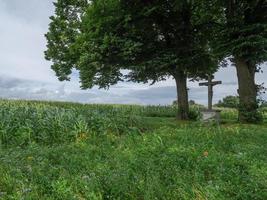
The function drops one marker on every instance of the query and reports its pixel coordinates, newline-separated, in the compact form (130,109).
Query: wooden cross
(210,85)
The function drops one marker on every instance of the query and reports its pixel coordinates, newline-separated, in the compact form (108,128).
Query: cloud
(15,88)
(22,39)
(34,12)
(9,83)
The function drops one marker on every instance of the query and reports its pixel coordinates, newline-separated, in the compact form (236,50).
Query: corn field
(57,150)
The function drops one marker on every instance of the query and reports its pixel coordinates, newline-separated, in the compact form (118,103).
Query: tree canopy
(241,35)
(63,31)
(242,30)
(152,40)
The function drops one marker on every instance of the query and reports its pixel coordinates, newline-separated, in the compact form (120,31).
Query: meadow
(65,151)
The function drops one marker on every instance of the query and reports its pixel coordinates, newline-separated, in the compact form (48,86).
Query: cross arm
(210,83)
(204,84)
(216,82)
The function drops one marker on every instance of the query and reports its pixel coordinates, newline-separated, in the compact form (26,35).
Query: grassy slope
(169,160)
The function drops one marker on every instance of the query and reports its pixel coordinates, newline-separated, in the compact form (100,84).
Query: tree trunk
(247,91)
(182,95)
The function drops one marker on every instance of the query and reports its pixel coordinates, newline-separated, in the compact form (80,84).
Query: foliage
(23,123)
(108,36)
(242,30)
(167,160)
(252,115)
(58,122)
(229,114)
(241,35)
(194,113)
(62,35)
(228,102)
(264,104)
(141,41)
(191,103)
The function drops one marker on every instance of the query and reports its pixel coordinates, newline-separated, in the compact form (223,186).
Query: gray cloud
(9,83)
(15,88)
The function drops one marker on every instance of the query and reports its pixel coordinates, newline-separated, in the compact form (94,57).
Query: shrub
(228,102)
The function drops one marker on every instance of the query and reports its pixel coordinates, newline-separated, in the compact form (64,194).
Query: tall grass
(25,122)
(53,150)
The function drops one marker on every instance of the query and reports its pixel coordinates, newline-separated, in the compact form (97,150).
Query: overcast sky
(25,74)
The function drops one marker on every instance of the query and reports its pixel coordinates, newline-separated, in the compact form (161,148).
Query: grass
(71,151)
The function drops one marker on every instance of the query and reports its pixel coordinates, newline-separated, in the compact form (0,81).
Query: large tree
(154,40)
(242,36)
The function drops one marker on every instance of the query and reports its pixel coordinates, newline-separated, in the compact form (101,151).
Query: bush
(194,113)
(252,114)
(228,102)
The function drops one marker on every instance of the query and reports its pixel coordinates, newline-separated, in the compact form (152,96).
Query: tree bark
(182,95)
(246,89)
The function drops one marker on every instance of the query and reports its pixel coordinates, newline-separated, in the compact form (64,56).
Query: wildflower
(81,137)
(29,158)
(206,153)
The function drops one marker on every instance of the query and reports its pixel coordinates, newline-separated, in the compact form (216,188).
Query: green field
(52,150)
